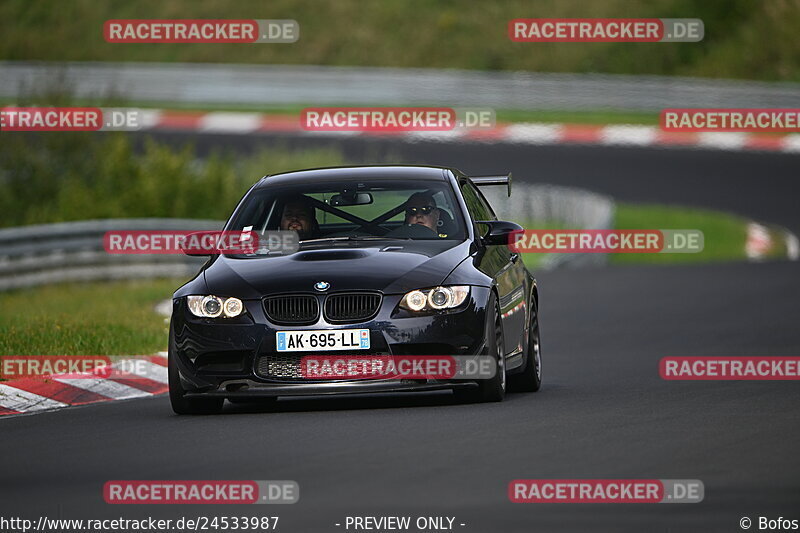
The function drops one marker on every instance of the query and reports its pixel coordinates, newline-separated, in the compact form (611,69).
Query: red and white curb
(148,377)
(529,133)
(760,242)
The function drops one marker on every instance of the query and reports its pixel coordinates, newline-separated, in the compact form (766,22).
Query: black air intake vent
(292,309)
(351,307)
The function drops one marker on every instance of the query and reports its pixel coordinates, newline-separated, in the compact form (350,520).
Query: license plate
(322,340)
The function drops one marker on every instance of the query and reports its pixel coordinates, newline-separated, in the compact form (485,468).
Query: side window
(477,205)
(486,205)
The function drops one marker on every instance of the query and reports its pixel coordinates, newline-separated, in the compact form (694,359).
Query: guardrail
(232,84)
(73,251)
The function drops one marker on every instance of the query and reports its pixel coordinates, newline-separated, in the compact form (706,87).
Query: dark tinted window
(476,203)
(334,210)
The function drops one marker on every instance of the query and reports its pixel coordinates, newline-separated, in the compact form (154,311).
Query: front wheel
(494,389)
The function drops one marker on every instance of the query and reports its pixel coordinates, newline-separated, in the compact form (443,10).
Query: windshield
(356,210)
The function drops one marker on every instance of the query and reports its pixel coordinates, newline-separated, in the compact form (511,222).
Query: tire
(494,389)
(180,403)
(530,379)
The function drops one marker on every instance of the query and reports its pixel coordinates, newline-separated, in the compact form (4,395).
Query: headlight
(214,306)
(435,298)
(415,300)
(232,307)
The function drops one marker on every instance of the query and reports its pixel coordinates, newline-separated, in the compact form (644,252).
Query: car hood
(392,267)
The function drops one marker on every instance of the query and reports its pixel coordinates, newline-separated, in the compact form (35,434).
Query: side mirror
(499,232)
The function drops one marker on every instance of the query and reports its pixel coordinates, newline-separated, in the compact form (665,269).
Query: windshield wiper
(325,239)
(354,238)
(375,238)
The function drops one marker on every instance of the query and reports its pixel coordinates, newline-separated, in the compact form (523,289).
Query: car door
(505,267)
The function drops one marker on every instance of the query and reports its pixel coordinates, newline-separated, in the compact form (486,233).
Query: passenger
(300,216)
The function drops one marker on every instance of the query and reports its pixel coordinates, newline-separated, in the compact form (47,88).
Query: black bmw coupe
(397,261)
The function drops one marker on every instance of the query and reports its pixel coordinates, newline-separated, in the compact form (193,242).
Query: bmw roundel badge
(322,285)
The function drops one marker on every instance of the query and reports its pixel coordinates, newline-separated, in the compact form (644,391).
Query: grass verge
(725,234)
(103,318)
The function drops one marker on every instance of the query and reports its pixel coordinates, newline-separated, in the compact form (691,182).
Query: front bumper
(219,357)
(255,389)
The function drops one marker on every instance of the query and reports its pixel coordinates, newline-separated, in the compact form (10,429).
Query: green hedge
(743,39)
(55,177)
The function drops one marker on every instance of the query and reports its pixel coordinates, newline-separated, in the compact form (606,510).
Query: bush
(55,177)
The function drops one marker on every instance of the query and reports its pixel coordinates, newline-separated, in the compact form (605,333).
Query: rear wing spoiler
(482,181)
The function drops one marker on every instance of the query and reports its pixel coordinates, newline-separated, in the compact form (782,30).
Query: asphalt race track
(603,411)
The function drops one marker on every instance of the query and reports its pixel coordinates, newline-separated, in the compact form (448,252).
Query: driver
(421,209)
(299,215)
